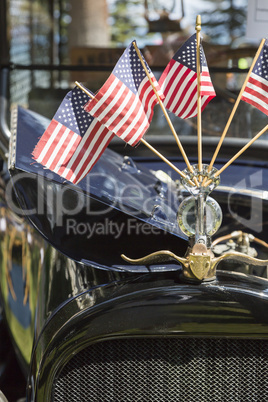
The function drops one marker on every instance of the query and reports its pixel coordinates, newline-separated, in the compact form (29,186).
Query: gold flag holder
(198,72)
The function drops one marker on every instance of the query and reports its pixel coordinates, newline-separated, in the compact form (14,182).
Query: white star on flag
(179,81)
(125,102)
(74,141)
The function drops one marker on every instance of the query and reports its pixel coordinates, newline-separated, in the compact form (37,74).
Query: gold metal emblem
(199,262)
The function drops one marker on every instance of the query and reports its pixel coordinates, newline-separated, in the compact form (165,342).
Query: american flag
(73,141)
(125,102)
(179,81)
(256,90)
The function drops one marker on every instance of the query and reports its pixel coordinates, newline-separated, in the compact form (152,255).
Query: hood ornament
(199,263)
(199,217)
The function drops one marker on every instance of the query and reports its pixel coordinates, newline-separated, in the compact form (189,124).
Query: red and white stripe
(256,92)
(67,153)
(121,111)
(179,86)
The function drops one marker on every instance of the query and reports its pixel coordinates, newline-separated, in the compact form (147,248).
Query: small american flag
(73,141)
(256,90)
(125,102)
(179,81)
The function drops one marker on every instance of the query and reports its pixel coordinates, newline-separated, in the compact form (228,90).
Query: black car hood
(121,206)
(116,191)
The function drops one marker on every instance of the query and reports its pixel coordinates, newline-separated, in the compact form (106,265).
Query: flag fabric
(73,141)
(179,81)
(256,90)
(125,102)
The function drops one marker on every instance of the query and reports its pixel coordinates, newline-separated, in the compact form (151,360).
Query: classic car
(110,291)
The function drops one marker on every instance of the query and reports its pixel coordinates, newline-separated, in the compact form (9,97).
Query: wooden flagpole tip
(198,23)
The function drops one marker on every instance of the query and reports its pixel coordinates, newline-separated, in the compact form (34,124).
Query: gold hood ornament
(199,263)
(199,217)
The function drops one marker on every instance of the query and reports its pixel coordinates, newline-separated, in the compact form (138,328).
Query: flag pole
(84,89)
(238,153)
(143,141)
(190,168)
(235,106)
(198,72)
(182,174)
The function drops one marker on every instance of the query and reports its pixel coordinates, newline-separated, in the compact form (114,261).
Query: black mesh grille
(167,369)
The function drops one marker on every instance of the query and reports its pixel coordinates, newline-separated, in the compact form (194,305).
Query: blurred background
(52,43)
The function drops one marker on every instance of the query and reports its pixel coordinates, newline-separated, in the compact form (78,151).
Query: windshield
(52,44)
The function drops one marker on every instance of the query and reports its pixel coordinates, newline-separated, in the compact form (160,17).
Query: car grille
(167,369)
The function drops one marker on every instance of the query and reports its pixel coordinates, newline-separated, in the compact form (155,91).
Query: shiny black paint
(148,305)
(105,249)
(102,248)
